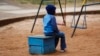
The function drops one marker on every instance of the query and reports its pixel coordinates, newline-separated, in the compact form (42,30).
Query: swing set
(39,11)
(73,23)
(84,5)
(84,24)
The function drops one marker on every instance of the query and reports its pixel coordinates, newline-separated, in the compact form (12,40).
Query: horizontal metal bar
(91,4)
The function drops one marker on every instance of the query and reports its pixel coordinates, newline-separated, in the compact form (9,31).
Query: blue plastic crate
(41,44)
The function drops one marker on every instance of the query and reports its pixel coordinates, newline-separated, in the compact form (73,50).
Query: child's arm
(54,24)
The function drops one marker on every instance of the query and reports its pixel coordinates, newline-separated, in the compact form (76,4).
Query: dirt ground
(86,42)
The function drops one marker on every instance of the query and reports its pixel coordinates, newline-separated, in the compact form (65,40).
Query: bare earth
(86,42)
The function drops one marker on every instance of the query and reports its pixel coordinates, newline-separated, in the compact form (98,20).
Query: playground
(82,40)
(13,38)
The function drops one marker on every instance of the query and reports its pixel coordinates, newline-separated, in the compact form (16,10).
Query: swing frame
(39,11)
(81,14)
(84,25)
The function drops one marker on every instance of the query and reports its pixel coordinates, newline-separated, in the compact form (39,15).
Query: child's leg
(56,41)
(63,42)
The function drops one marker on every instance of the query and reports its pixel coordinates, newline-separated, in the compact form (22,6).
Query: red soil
(86,42)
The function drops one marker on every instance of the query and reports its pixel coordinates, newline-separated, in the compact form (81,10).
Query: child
(50,27)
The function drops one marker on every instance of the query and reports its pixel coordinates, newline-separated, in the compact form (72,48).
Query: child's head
(50,9)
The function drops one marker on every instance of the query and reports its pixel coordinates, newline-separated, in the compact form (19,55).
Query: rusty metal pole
(36,16)
(62,12)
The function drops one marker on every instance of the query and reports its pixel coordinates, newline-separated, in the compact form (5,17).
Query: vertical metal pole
(65,8)
(36,16)
(74,12)
(85,24)
(77,22)
(73,20)
(65,5)
(62,12)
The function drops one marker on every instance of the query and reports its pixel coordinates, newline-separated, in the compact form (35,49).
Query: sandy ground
(86,42)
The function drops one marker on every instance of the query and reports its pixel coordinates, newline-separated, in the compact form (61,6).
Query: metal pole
(73,20)
(61,11)
(77,22)
(92,4)
(85,24)
(65,8)
(36,16)
(65,5)
(74,11)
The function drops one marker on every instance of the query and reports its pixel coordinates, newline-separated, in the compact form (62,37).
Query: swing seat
(40,44)
(80,27)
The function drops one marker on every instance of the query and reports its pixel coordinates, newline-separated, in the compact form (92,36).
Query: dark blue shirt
(49,23)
